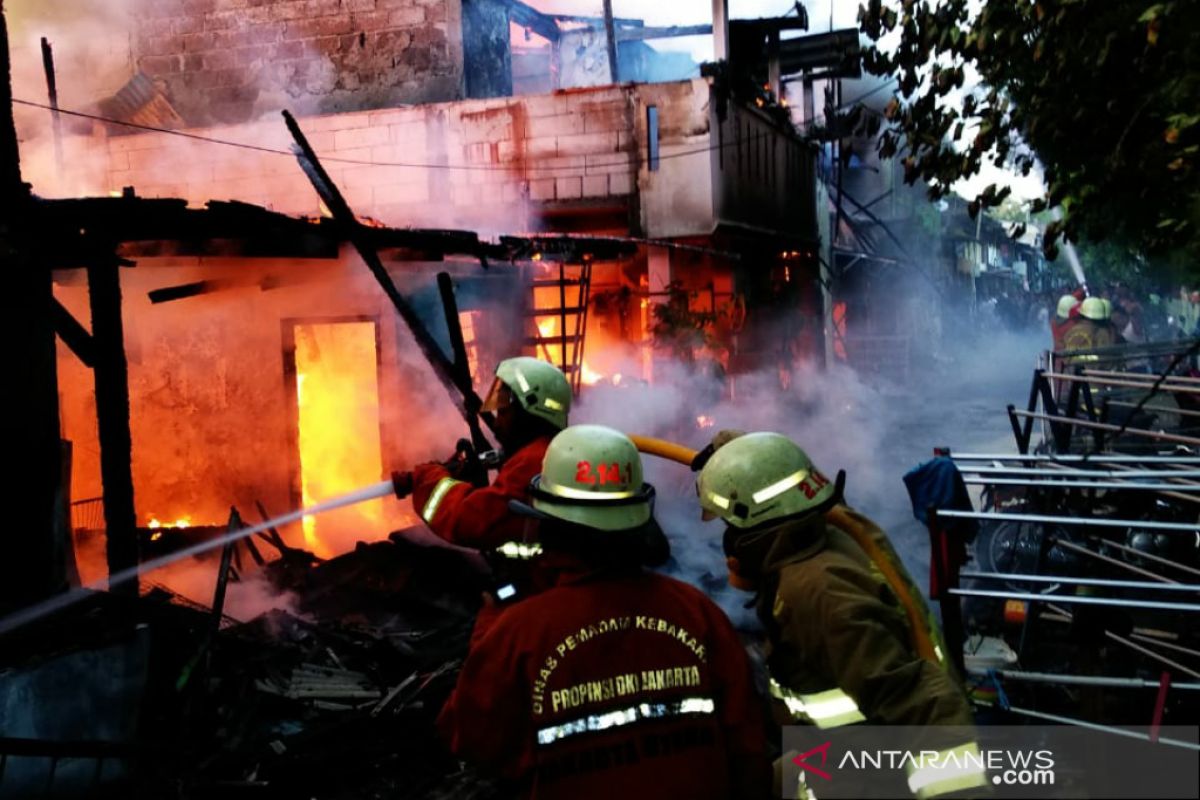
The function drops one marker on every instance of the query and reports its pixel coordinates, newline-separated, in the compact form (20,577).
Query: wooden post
(610,39)
(112,418)
(720,29)
(52,94)
(29,427)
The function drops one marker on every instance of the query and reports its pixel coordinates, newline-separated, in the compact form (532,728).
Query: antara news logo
(1008,767)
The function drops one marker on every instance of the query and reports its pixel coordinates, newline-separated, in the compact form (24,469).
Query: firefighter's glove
(402,484)
(465,465)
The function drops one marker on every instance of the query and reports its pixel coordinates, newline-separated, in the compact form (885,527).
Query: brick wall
(226,61)
(471,163)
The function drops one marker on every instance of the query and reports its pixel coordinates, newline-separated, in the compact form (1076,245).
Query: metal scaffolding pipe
(1101,426)
(1166,387)
(1145,377)
(1001,516)
(1084,484)
(1104,728)
(1097,458)
(1171,587)
(1116,562)
(1089,680)
(1183,412)
(1067,472)
(1151,557)
(1135,646)
(1112,602)
(1169,645)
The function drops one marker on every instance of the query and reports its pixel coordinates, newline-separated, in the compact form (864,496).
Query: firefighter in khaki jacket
(841,647)
(617,682)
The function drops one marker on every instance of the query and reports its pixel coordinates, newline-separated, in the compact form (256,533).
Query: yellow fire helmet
(760,477)
(1093,309)
(1065,304)
(539,387)
(592,476)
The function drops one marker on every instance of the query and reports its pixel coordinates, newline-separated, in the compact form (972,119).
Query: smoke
(875,429)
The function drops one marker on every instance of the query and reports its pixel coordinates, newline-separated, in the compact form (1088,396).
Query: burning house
(426,116)
(231,334)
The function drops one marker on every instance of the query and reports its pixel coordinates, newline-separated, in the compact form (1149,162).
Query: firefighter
(618,681)
(842,649)
(1067,314)
(530,400)
(1092,329)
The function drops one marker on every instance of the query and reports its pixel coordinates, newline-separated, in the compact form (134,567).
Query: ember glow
(703,422)
(337,391)
(183,522)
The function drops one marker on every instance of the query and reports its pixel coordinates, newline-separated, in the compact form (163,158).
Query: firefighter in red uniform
(530,400)
(616,682)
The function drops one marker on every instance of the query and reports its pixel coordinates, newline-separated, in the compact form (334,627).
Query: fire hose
(839,516)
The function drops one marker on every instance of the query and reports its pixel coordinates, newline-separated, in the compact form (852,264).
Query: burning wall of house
(223,414)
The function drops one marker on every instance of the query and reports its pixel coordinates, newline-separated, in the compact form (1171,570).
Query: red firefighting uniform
(617,686)
(475,517)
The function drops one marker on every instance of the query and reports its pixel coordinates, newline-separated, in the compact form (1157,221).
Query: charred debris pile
(333,698)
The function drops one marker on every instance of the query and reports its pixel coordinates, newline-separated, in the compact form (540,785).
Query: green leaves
(1102,92)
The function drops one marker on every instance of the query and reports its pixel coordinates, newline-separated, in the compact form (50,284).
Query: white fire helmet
(760,477)
(538,386)
(592,476)
(1093,309)
(1065,304)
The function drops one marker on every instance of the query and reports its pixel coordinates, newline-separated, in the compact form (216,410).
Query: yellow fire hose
(838,516)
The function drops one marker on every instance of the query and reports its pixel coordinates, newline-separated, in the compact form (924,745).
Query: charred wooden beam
(29,570)
(52,94)
(74,335)
(112,417)
(641,34)
(529,17)
(463,395)
(179,292)
(610,42)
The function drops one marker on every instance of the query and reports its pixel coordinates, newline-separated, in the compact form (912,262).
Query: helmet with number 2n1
(592,476)
(760,477)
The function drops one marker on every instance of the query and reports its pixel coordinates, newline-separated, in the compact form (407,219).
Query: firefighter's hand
(402,484)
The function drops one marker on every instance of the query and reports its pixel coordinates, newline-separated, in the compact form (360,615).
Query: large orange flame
(338,394)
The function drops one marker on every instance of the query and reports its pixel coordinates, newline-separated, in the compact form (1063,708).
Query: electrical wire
(737,142)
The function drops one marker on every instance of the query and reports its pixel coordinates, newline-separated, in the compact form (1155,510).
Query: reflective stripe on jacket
(476,517)
(612,685)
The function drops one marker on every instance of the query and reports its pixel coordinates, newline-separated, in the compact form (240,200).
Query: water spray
(1073,257)
(67,599)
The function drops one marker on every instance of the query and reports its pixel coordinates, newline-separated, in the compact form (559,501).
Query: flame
(703,422)
(550,352)
(589,376)
(338,397)
(182,522)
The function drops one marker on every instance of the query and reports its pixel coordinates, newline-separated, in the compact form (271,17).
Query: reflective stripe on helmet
(520,550)
(524,384)
(625,716)
(435,499)
(829,709)
(950,770)
(779,487)
(552,404)
(719,501)
(580,494)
